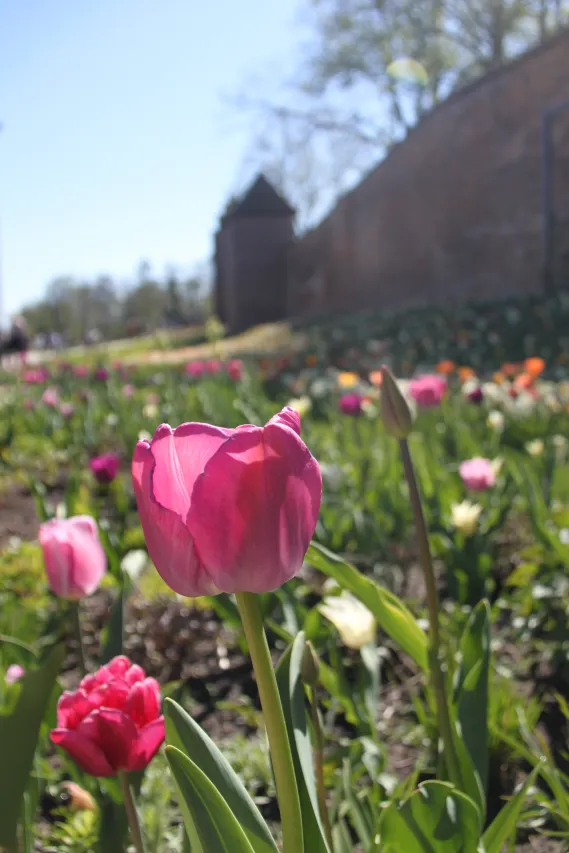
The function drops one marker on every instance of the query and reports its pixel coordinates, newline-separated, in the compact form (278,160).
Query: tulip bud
(310,666)
(395,411)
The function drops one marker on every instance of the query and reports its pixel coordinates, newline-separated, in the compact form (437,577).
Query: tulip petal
(143,703)
(180,456)
(255,507)
(287,417)
(115,734)
(84,752)
(169,543)
(147,744)
(85,523)
(88,562)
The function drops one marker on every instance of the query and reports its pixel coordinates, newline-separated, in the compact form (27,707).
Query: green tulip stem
(131,812)
(79,636)
(319,766)
(435,656)
(281,755)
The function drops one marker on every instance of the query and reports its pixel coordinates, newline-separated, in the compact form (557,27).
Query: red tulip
(106,467)
(427,390)
(229,510)
(74,558)
(235,369)
(112,722)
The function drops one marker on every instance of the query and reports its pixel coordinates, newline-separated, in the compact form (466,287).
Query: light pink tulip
(50,397)
(14,673)
(477,474)
(74,558)
(67,410)
(229,510)
(427,390)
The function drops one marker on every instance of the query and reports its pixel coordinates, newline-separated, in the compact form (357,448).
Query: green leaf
(472,689)
(390,613)
(207,816)
(504,826)
(18,738)
(293,699)
(112,644)
(435,819)
(184,733)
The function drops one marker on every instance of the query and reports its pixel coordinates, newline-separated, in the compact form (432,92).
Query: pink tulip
(427,390)
(35,377)
(195,369)
(350,404)
(112,722)
(235,369)
(213,366)
(101,374)
(128,391)
(229,510)
(50,397)
(67,409)
(105,467)
(81,371)
(477,474)
(74,558)
(14,673)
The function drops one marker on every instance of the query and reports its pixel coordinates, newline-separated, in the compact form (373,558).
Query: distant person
(17,341)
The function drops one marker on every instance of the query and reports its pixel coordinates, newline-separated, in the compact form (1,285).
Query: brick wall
(455,211)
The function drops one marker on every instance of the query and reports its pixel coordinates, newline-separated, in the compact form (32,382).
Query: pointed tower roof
(261,199)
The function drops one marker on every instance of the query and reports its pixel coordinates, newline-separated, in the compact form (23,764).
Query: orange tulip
(534,366)
(466,373)
(510,369)
(445,367)
(499,378)
(347,379)
(524,381)
(311,361)
(376,378)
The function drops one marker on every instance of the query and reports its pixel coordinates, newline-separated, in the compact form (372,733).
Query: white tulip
(354,622)
(465,517)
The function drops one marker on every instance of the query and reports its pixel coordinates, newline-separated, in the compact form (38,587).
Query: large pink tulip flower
(227,510)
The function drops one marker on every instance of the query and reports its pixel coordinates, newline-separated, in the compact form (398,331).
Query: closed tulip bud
(227,510)
(310,666)
(74,558)
(395,411)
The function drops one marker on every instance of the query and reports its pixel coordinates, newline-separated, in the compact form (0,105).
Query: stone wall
(455,211)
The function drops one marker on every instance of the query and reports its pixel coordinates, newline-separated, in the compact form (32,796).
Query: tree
(371,70)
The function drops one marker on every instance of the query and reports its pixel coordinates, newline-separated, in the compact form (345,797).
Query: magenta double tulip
(227,510)
(75,561)
(112,722)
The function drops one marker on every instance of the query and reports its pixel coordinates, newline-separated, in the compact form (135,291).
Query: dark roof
(261,199)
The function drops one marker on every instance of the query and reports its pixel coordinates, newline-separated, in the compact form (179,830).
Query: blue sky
(118,144)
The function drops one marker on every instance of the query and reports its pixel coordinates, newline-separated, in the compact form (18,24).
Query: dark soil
(17,516)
